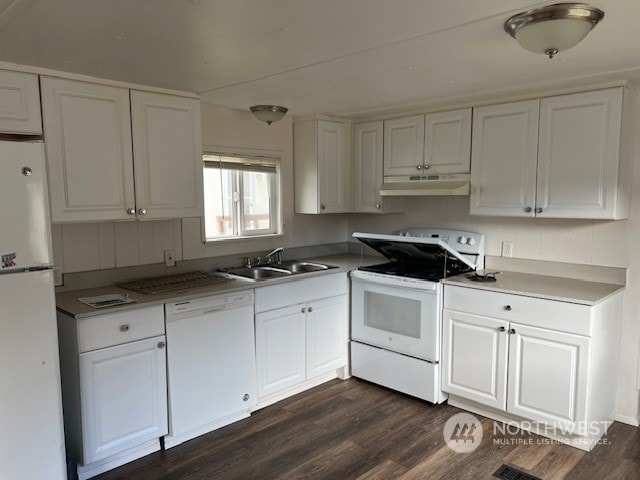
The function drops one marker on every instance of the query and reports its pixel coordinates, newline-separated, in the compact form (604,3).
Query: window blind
(244,163)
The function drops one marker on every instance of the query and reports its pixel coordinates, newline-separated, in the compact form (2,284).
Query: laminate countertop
(541,286)
(68,303)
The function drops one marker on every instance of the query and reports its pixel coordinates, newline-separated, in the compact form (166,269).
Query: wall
(99,246)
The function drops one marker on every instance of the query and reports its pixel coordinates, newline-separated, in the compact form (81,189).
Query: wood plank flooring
(356,430)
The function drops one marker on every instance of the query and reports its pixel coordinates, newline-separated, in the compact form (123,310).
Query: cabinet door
(326,332)
(167,151)
(368,166)
(19,103)
(404,146)
(579,152)
(503,159)
(280,352)
(331,164)
(447,142)
(548,376)
(88,143)
(123,396)
(474,362)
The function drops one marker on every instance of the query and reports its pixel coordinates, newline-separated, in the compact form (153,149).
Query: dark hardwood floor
(356,430)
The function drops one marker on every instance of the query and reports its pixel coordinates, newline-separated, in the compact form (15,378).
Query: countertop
(541,286)
(67,302)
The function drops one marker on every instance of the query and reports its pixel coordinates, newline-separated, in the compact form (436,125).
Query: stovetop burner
(487,277)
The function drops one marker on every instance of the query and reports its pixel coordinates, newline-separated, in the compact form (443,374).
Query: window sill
(211,241)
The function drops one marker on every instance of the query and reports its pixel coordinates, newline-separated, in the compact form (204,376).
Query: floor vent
(511,473)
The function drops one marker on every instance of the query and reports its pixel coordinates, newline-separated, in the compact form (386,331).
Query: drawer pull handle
(124,328)
(512,331)
(161,344)
(502,329)
(507,308)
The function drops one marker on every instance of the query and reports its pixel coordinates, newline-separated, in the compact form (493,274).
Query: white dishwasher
(211,365)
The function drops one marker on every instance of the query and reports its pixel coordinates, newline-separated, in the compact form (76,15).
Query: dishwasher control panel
(217,302)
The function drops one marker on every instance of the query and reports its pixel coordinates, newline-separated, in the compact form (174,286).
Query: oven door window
(392,314)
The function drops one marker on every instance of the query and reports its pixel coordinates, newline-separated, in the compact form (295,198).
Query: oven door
(398,314)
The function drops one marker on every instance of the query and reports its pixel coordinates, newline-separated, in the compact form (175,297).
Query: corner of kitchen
(198,282)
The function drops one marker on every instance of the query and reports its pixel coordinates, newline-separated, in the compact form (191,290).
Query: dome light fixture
(553,28)
(269,113)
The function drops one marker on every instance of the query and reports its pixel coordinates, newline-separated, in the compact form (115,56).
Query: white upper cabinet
(320,151)
(368,165)
(88,145)
(447,142)
(404,145)
(19,103)
(578,155)
(167,149)
(505,150)
(91,153)
(559,157)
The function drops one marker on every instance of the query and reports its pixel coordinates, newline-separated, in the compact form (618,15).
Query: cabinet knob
(26,171)
(538,209)
(245,397)
(303,310)
(377,206)
(310,309)
(131,211)
(142,211)
(124,328)
(419,167)
(322,207)
(512,331)
(502,329)
(426,166)
(507,308)
(161,344)
(528,209)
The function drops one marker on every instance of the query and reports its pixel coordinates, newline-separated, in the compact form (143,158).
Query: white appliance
(32,440)
(396,307)
(211,364)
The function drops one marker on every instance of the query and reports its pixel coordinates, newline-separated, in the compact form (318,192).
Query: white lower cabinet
(124,397)
(301,342)
(114,387)
(548,365)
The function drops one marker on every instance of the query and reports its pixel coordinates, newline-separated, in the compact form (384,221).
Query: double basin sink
(278,270)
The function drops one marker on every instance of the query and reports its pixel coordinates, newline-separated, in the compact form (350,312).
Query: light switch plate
(507,249)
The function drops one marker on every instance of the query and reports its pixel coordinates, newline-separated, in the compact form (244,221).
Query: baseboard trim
(93,469)
(633,421)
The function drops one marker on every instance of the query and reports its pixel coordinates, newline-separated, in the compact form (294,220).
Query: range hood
(423,185)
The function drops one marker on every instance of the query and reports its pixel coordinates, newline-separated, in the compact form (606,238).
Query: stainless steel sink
(283,269)
(258,273)
(304,267)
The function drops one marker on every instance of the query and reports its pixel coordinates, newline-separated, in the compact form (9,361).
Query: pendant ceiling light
(268,113)
(553,28)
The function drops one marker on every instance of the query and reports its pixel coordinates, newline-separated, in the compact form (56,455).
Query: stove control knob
(471,241)
(462,240)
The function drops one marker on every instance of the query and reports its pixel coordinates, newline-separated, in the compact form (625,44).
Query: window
(240,196)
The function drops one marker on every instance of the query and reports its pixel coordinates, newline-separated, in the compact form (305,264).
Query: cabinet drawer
(300,291)
(117,328)
(536,312)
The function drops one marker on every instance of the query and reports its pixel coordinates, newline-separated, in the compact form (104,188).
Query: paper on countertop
(103,301)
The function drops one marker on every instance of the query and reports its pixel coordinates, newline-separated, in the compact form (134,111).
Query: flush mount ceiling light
(553,28)
(268,113)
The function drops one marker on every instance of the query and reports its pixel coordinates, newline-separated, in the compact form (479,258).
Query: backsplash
(590,242)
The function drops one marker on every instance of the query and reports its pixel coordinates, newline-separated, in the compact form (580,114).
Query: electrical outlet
(507,249)
(169,259)
(58,279)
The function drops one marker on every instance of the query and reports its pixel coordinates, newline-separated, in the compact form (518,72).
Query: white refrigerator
(31,427)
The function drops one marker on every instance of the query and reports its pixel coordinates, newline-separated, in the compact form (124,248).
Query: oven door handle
(399,282)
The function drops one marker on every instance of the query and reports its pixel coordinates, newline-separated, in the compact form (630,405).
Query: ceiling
(339,57)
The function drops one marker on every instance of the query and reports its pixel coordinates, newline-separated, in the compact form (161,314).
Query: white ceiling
(340,57)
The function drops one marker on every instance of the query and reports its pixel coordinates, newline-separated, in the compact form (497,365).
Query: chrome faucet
(277,252)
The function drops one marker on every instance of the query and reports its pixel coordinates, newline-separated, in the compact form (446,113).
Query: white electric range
(396,307)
